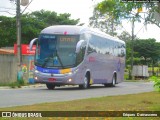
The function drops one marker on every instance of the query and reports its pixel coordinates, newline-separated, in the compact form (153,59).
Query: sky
(82,9)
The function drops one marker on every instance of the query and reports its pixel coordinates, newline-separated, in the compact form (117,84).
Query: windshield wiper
(59,58)
(48,58)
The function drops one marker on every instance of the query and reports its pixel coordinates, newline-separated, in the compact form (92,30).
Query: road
(34,95)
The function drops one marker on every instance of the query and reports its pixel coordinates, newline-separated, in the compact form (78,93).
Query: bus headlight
(36,78)
(36,71)
(70,80)
(70,73)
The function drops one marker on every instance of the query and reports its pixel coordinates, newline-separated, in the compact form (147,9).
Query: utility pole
(18,25)
(132,50)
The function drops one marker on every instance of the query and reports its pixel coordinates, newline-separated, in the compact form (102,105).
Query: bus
(77,55)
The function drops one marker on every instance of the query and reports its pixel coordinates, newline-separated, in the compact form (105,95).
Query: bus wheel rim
(113,81)
(85,82)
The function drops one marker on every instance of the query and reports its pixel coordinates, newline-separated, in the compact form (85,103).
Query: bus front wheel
(50,86)
(85,85)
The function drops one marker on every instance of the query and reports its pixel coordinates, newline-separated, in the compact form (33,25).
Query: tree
(104,22)
(125,36)
(109,14)
(52,18)
(149,50)
(146,52)
(119,10)
(32,24)
(8,31)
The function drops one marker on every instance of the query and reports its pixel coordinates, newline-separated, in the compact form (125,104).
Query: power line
(26,7)
(14,9)
(8,12)
(7,8)
(141,28)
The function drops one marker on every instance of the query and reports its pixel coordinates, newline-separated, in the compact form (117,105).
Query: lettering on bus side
(92,59)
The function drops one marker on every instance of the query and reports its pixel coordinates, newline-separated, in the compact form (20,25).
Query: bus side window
(116,49)
(123,50)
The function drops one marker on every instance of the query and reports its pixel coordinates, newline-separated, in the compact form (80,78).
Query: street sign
(25,49)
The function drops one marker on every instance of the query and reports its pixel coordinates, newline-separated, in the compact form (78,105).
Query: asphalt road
(40,94)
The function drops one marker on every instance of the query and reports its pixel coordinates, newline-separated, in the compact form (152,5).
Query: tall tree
(119,10)
(52,18)
(148,49)
(7,31)
(104,22)
(32,24)
(148,52)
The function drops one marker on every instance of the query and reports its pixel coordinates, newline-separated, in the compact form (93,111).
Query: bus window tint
(66,47)
(47,45)
(57,50)
(101,45)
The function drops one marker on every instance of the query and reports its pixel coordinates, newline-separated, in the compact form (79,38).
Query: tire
(113,84)
(85,85)
(50,86)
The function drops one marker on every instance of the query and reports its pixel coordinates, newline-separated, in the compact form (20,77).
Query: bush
(17,84)
(14,85)
(156,81)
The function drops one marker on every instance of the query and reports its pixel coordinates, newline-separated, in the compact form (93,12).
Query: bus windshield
(56,51)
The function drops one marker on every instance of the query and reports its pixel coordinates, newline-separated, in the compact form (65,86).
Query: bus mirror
(79,45)
(32,42)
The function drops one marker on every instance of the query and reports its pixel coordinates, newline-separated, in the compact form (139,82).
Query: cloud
(7,8)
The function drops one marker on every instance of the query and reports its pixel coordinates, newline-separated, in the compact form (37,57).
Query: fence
(8,67)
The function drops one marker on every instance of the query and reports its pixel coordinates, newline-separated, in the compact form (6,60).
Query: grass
(155,68)
(149,101)
(16,84)
(132,102)
(145,80)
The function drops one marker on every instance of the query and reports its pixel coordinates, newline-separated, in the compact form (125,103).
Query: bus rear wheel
(113,84)
(50,86)
(85,85)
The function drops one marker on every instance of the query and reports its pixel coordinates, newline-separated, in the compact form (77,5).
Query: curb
(29,86)
(34,86)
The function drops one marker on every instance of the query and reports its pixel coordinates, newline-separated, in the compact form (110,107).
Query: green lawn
(149,101)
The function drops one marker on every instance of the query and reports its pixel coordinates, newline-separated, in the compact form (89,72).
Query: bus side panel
(80,73)
(101,68)
(120,70)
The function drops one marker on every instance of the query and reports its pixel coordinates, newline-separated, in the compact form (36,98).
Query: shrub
(156,81)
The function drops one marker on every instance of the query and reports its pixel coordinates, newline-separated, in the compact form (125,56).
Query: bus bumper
(56,79)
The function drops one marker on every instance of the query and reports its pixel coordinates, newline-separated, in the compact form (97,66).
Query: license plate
(51,79)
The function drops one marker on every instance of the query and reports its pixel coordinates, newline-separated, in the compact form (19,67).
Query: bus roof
(63,29)
(76,30)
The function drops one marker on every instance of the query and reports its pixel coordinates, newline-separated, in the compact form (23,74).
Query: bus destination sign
(67,39)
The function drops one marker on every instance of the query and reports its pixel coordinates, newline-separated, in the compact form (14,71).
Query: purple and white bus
(75,55)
